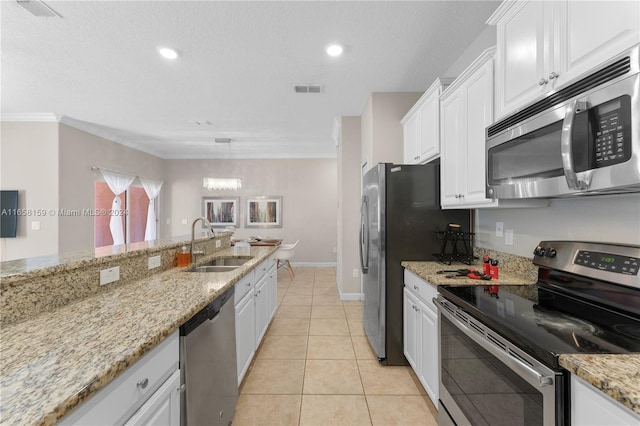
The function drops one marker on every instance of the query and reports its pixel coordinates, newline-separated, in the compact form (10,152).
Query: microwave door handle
(566,147)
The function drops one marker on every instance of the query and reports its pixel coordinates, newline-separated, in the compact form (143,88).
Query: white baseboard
(351,296)
(315,264)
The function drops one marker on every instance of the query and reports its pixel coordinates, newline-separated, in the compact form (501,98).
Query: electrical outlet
(499,228)
(356,273)
(35,225)
(168,221)
(154,262)
(508,237)
(109,275)
(335,250)
(184,220)
(218,243)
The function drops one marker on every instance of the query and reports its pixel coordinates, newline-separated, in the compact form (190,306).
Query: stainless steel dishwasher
(208,369)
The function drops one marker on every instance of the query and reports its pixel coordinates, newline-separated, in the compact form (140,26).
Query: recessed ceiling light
(167,52)
(334,50)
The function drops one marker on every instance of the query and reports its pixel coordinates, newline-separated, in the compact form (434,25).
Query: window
(134,222)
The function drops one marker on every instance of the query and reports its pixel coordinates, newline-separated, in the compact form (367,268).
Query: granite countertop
(428,271)
(53,362)
(616,375)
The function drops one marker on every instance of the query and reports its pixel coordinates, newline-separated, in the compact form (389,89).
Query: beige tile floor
(315,366)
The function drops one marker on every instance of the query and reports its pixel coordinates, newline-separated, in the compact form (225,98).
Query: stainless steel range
(499,346)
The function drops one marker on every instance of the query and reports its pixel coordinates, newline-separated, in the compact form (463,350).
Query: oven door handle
(506,356)
(566,146)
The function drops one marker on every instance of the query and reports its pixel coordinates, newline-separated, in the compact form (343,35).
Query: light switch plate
(184,221)
(508,237)
(109,275)
(154,262)
(218,243)
(35,225)
(499,228)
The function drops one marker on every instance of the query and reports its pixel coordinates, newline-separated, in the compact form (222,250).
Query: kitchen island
(56,360)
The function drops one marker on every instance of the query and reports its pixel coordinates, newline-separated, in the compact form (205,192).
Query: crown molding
(42,117)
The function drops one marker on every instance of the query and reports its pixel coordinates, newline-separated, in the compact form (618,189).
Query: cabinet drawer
(243,287)
(419,287)
(261,269)
(115,403)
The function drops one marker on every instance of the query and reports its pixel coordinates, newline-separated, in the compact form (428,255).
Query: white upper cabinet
(421,126)
(467,109)
(542,45)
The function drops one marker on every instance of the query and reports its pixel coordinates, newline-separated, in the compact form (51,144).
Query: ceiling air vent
(39,8)
(307,88)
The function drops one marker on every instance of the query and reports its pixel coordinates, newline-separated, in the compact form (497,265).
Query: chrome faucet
(195,252)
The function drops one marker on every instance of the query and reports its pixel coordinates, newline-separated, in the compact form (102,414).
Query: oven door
(486,380)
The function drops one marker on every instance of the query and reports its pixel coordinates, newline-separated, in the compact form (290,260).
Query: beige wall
(79,151)
(349,207)
(29,160)
(308,188)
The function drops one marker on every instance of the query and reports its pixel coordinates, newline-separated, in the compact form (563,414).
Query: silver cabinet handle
(143,383)
(542,82)
(416,287)
(553,75)
(248,284)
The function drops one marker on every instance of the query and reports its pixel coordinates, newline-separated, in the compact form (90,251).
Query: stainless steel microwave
(582,139)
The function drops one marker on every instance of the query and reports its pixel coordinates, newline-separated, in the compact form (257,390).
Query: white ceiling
(98,67)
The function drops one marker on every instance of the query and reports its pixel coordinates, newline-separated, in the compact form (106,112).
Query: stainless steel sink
(227,261)
(222,264)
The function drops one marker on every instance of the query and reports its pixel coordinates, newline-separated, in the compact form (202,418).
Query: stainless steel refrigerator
(400,215)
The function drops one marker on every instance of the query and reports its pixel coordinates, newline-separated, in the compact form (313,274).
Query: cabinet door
(524,42)
(590,406)
(410,329)
(429,369)
(245,333)
(163,408)
(477,115)
(262,310)
(411,132)
(451,153)
(595,31)
(272,289)
(429,132)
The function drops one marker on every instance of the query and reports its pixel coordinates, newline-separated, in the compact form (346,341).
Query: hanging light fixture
(224,184)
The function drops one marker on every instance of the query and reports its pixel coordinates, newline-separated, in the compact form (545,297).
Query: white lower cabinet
(256,296)
(590,406)
(163,408)
(245,333)
(421,332)
(262,310)
(146,393)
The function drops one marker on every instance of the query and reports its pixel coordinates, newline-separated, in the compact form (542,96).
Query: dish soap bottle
(183,257)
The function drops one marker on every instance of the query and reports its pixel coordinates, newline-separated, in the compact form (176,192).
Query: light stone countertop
(616,375)
(428,272)
(56,360)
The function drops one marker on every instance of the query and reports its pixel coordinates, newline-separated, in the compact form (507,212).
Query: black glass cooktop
(557,324)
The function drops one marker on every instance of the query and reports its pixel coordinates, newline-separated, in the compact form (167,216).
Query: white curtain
(152,188)
(118,183)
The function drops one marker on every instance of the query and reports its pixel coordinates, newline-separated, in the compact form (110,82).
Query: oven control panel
(615,263)
(607,262)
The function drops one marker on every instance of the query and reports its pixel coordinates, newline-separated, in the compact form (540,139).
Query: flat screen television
(8,213)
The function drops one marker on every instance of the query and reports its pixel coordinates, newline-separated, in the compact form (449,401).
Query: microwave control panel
(612,131)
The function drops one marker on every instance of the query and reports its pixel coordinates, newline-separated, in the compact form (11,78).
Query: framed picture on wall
(221,211)
(264,212)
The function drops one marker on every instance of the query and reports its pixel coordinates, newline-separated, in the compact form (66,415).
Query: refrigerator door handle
(364,235)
